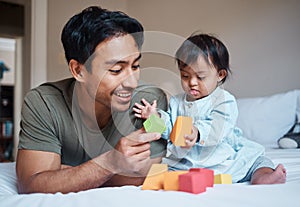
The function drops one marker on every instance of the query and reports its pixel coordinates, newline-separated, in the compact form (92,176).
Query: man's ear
(76,70)
(222,74)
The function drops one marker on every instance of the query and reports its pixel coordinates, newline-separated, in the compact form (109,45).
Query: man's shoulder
(147,88)
(52,92)
(61,86)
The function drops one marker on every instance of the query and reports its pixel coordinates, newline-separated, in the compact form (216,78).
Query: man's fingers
(140,137)
(143,155)
(137,149)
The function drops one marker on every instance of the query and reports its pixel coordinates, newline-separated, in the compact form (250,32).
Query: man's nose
(131,80)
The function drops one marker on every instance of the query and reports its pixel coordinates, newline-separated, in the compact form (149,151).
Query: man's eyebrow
(114,62)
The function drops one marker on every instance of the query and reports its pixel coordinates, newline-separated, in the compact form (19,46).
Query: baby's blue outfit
(222,146)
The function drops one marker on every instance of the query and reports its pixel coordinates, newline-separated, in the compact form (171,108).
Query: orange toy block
(183,125)
(155,177)
(223,179)
(193,182)
(209,175)
(171,180)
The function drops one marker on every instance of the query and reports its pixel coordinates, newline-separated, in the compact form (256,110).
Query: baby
(215,142)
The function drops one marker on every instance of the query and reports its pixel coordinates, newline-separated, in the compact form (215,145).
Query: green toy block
(154,124)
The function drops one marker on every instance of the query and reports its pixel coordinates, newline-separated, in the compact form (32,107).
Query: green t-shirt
(49,123)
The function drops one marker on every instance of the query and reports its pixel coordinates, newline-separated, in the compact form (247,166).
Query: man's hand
(131,156)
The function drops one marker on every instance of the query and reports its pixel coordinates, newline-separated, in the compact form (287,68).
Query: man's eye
(115,71)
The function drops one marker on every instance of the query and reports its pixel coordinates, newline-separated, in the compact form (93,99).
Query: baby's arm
(144,111)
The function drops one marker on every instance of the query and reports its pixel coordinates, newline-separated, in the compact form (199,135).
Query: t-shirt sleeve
(37,129)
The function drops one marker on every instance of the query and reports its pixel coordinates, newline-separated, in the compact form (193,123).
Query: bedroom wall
(59,12)
(262,36)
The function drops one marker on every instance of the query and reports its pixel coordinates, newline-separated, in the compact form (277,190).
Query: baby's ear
(222,74)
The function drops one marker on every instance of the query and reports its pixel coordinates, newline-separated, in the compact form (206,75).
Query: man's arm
(40,171)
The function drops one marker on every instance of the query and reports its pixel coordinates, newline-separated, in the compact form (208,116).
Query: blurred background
(262,36)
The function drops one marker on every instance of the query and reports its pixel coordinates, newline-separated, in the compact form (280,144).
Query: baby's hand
(190,139)
(145,111)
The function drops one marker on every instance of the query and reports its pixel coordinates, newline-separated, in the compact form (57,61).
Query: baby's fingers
(154,105)
(139,106)
(146,103)
(138,112)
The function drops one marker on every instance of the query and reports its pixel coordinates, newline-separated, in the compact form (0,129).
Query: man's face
(115,72)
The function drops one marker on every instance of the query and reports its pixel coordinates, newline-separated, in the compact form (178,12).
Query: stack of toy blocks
(196,180)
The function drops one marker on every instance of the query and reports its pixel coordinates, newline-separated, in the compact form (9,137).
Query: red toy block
(192,182)
(209,175)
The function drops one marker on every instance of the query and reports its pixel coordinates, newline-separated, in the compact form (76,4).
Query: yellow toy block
(171,181)
(155,177)
(183,125)
(223,179)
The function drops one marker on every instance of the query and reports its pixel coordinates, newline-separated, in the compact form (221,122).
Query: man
(80,133)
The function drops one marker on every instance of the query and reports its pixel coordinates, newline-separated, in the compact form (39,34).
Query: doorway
(12,31)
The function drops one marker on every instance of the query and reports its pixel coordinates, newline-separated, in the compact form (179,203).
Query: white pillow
(266,119)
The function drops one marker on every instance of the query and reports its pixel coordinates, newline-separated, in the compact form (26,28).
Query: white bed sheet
(235,195)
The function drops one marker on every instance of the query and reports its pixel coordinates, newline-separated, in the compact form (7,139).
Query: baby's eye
(201,78)
(184,76)
(136,67)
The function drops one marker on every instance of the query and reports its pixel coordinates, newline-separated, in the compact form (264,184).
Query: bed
(263,119)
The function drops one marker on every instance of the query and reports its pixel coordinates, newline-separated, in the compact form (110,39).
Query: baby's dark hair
(87,29)
(209,47)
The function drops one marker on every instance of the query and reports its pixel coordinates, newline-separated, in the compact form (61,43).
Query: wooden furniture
(6,123)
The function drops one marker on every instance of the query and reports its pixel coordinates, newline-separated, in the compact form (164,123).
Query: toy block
(183,125)
(223,179)
(209,175)
(171,180)
(192,182)
(154,124)
(155,177)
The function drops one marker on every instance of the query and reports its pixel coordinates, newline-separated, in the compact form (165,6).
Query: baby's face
(199,79)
